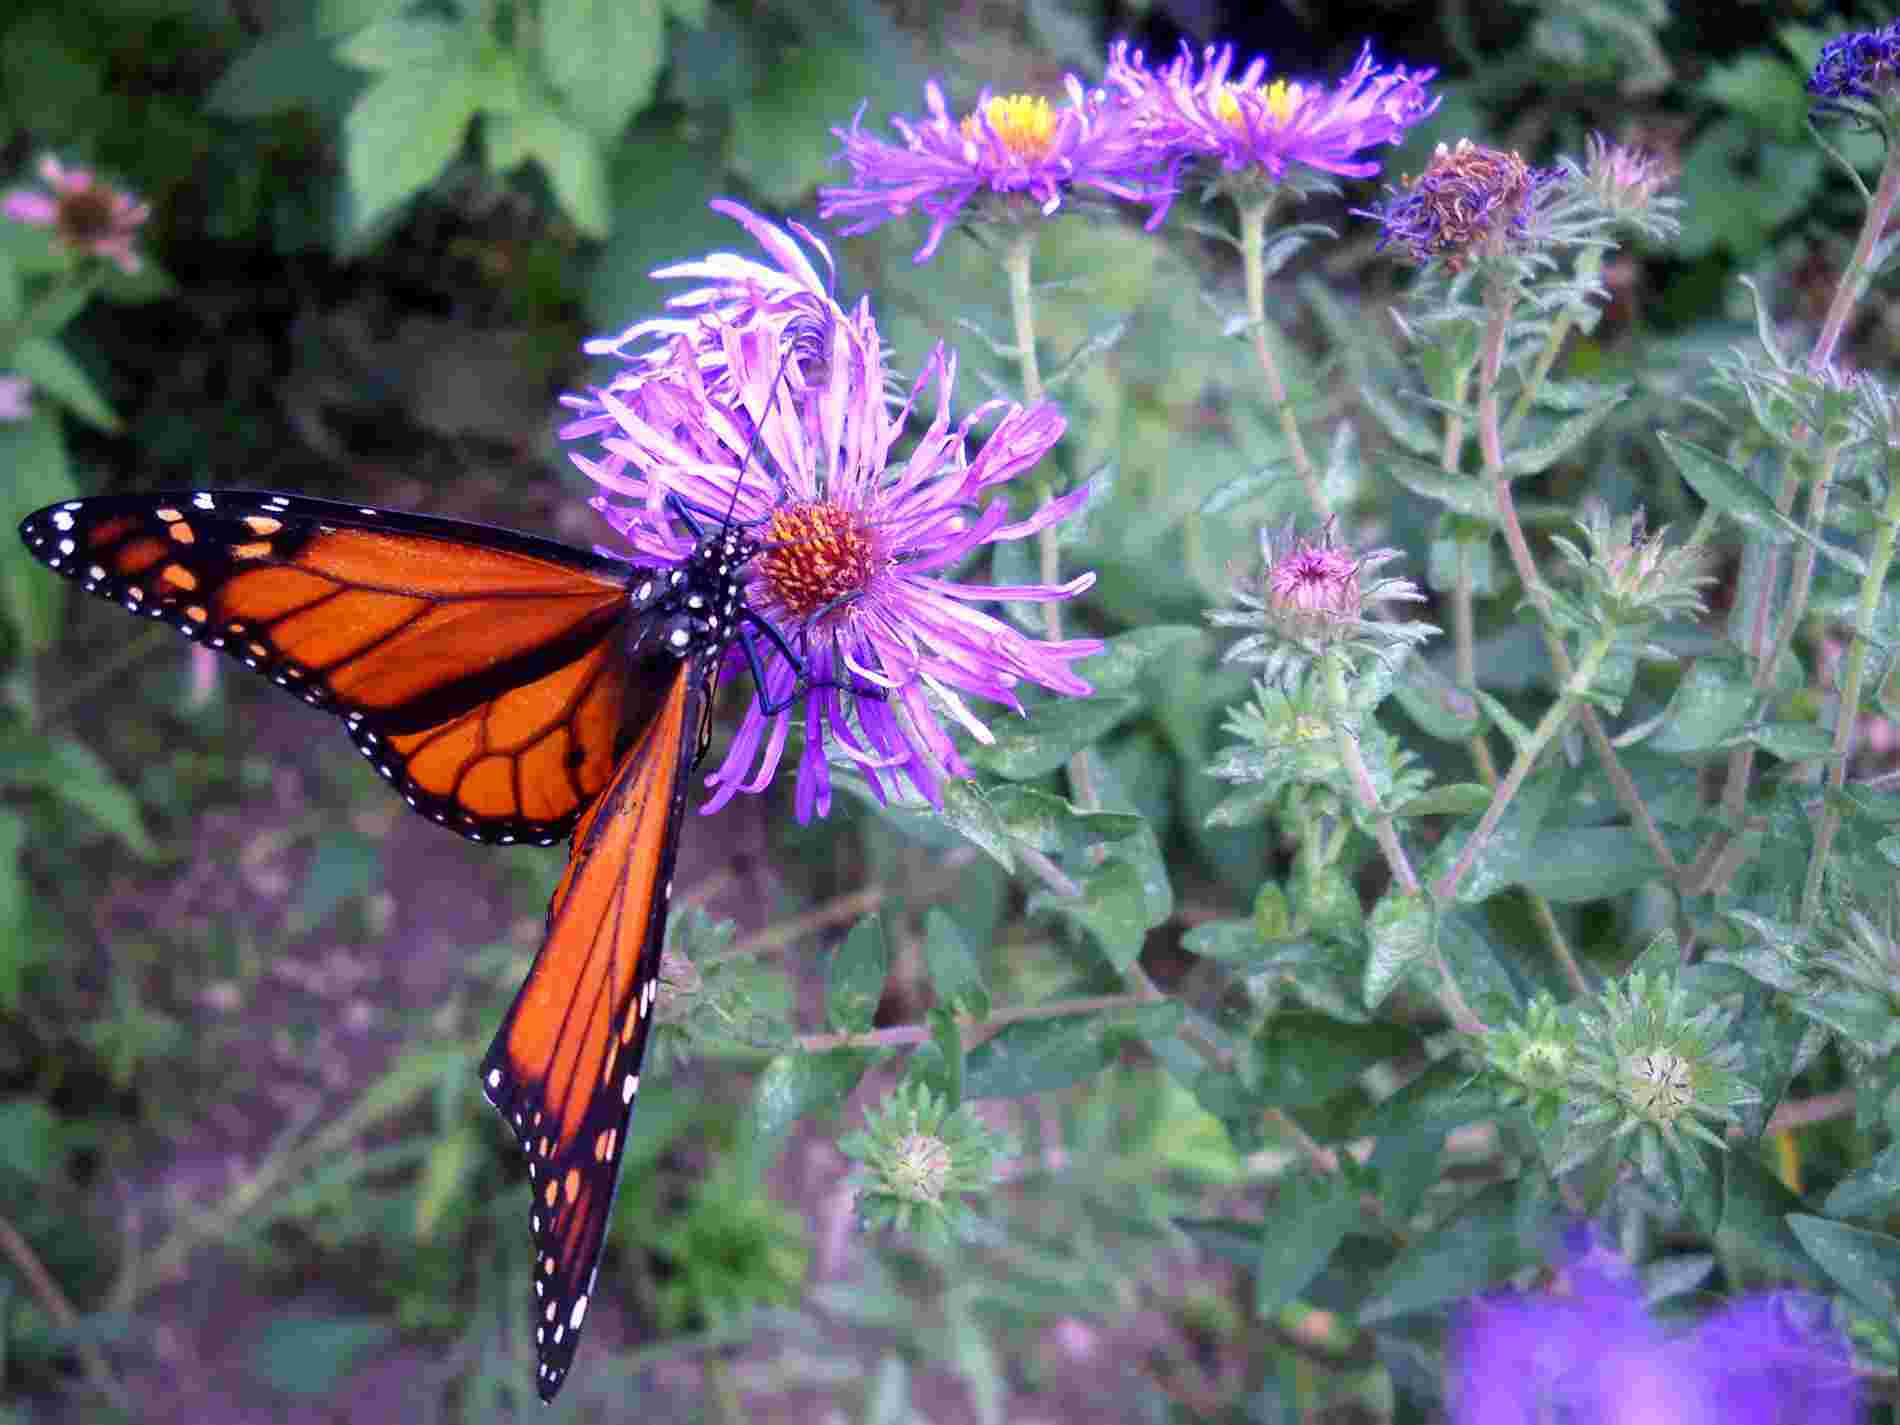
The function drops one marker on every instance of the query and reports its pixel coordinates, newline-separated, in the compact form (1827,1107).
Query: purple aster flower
(1470,200)
(1596,1357)
(857,543)
(16,399)
(90,217)
(1248,122)
(1020,144)
(1863,66)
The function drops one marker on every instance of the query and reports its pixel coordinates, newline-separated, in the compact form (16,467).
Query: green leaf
(1731,491)
(345,866)
(1400,928)
(1568,435)
(71,773)
(1460,493)
(1128,655)
(1039,1055)
(790,1087)
(1301,1060)
(31,1140)
(399,44)
(567,154)
(1791,741)
(33,472)
(1302,1230)
(19,951)
(1453,799)
(969,810)
(854,980)
(1586,863)
(1480,1246)
(955,972)
(1865,1265)
(403,133)
(1227,940)
(781,142)
(1052,825)
(604,56)
(1753,1225)
(1113,908)
(1439,707)
(1052,732)
(289,68)
(1872,1190)
(61,378)
(1713,699)
(307,1355)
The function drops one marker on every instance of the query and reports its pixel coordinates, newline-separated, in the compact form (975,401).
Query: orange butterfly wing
(482,671)
(565,1066)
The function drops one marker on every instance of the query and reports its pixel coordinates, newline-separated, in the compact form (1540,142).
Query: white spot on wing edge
(579,1311)
(204,501)
(629,1087)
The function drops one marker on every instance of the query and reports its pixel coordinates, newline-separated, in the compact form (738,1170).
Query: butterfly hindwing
(482,671)
(565,1065)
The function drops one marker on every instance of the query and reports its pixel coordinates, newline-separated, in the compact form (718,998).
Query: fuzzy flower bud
(916,1157)
(1858,75)
(1631,577)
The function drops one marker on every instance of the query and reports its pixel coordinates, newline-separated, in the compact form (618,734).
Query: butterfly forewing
(481,671)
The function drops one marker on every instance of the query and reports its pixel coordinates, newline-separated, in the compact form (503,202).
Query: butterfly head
(695,605)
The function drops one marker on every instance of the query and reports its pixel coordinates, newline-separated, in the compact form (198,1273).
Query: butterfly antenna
(805,337)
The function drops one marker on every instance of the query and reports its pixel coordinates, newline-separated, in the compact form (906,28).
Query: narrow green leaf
(1479,1247)
(1439,707)
(344,867)
(1129,655)
(1400,928)
(955,972)
(1302,1230)
(1569,434)
(71,773)
(1734,494)
(1865,1265)
(854,979)
(1453,799)
(61,378)
(1462,494)
(1039,1055)
(33,472)
(1225,940)
(1052,732)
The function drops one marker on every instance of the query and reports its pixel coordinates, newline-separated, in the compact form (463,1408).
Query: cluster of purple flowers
(1863,65)
(1132,139)
(1467,198)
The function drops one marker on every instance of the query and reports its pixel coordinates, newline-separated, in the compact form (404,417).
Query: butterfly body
(512,689)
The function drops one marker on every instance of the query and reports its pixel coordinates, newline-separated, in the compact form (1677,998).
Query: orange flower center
(817,557)
(1025,123)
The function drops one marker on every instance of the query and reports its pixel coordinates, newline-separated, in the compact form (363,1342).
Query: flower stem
(1589,265)
(1854,279)
(1017,259)
(1847,707)
(1351,756)
(1253,252)
(1547,729)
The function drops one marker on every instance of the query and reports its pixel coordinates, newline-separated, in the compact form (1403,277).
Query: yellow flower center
(1024,122)
(817,557)
(1281,98)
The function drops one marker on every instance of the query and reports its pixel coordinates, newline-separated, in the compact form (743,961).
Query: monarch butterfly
(511,689)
